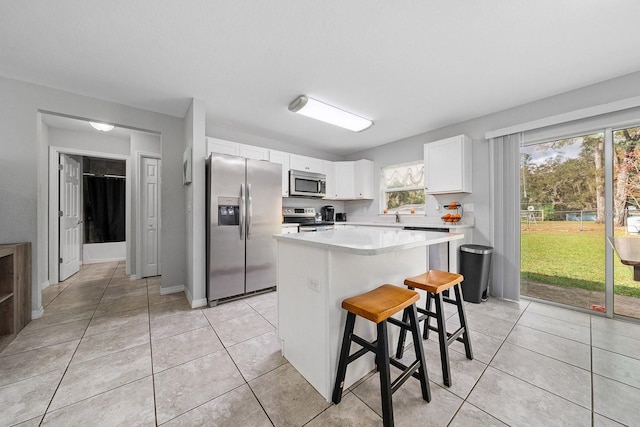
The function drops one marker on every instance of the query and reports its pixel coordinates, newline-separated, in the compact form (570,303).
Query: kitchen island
(316,271)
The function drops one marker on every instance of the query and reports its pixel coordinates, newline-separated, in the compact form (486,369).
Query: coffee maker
(327,213)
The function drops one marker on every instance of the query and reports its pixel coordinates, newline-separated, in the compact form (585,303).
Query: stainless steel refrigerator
(244,210)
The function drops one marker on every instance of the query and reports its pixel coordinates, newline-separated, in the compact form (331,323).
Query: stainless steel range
(308,219)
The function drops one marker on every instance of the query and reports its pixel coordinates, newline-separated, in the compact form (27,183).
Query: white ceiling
(411,66)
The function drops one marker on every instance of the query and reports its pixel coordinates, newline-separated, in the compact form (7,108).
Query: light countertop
(451,226)
(369,240)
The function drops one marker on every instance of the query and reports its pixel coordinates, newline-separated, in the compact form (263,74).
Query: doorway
(575,192)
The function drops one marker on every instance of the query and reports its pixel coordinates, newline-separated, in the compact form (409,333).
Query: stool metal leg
(385,375)
(442,336)
(417,345)
(427,321)
(463,322)
(403,336)
(344,357)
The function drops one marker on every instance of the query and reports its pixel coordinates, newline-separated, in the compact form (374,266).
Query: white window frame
(384,190)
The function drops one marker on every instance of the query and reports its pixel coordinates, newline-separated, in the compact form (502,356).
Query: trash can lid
(476,249)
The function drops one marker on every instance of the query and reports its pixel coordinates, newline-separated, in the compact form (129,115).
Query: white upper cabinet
(282,158)
(345,180)
(308,164)
(349,180)
(252,152)
(221,146)
(364,179)
(447,165)
(330,173)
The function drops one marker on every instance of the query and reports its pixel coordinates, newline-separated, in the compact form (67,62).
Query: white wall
(195,287)
(89,141)
(24,170)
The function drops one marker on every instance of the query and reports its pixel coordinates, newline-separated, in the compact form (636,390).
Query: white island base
(317,271)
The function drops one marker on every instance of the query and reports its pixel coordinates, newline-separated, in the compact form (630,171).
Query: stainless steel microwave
(307,184)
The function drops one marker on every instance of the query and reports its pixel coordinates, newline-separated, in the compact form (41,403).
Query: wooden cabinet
(447,165)
(308,164)
(282,158)
(15,290)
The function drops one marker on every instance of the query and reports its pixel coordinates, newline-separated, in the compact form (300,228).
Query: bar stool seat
(437,284)
(378,306)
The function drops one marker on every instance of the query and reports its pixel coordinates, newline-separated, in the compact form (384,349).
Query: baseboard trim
(172,290)
(133,277)
(44,285)
(195,303)
(36,314)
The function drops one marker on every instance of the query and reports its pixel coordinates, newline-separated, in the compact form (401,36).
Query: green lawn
(558,253)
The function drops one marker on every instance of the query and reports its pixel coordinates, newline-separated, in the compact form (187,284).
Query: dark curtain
(106,208)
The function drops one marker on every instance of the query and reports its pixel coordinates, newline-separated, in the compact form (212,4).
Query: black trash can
(475,266)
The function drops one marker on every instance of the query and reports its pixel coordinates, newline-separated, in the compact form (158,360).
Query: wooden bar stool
(436,283)
(378,306)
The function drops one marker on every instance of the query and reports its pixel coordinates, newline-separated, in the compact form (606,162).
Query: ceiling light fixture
(320,111)
(102,127)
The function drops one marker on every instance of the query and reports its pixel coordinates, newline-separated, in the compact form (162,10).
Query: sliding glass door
(626,215)
(563,221)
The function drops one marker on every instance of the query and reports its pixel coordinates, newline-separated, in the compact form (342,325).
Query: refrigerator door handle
(242,211)
(249,211)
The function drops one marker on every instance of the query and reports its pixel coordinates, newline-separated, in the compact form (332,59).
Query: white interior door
(149,215)
(69,206)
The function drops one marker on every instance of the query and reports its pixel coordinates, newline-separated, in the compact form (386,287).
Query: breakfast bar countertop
(369,240)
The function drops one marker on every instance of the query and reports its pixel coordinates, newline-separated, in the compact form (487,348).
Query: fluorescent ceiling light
(320,111)
(102,127)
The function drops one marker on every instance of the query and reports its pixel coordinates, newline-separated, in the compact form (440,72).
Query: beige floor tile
(287,397)
(560,313)
(169,308)
(263,302)
(464,372)
(559,378)
(258,355)
(129,405)
(484,324)
(600,421)
(484,346)
(617,367)
(45,337)
(110,342)
(83,380)
(32,363)
(122,304)
(182,348)
(33,422)
(67,316)
(495,393)
(561,328)
(408,406)
(227,311)
(166,326)
(559,348)
(27,399)
(117,293)
(618,327)
(469,415)
(616,401)
(117,320)
(156,298)
(238,407)
(242,328)
(351,411)
(57,305)
(499,309)
(615,343)
(187,386)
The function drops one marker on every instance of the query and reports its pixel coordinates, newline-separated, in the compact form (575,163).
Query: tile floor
(113,351)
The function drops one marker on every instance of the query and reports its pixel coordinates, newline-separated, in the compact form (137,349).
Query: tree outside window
(403,188)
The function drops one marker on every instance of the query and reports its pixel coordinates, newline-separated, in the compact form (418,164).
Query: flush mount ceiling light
(320,111)
(102,127)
